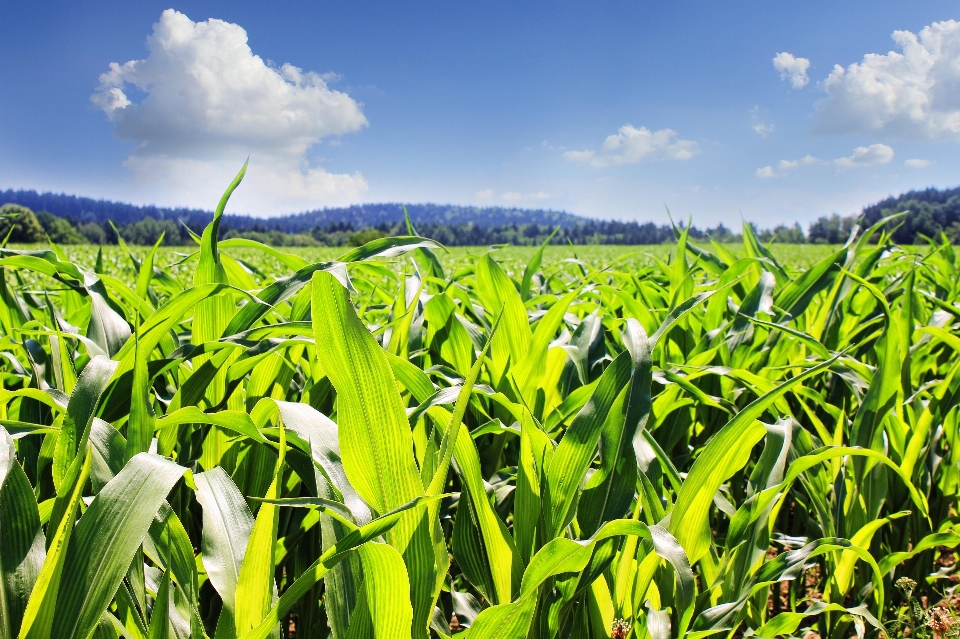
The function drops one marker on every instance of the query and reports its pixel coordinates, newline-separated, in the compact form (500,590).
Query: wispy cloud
(763,129)
(861,156)
(786,165)
(515,196)
(917,163)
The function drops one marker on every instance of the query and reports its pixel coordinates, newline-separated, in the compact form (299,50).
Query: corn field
(713,445)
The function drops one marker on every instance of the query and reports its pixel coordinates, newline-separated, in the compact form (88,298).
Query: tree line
(24,226)
(928,213)
(85,209)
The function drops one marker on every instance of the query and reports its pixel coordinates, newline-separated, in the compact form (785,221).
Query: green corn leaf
(787,622)
(22,551)
(140,427)
(843,573)
(256,589)
(564,556)
(786,566)
(533,266)
(451,436)
(227,526)
(105,539)
(375,439)
(322,436)
(233,420)
(949,539)
(723,455)
(500,297)
(160,617)
(145,271)
(530,370)
(168,545)
(578,446)
(385,587)
(609,491)
(330,558)
(38,618)
(107,328)
(882,393)
(388,247)
(75,432)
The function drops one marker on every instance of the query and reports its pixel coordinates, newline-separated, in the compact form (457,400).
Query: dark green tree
(59,230)
(363,236)
(21,220)
(93,232)
(831,230)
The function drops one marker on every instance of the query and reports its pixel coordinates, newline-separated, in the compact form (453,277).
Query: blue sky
(611,110)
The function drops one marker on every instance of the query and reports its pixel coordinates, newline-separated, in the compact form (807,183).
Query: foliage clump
(19,224)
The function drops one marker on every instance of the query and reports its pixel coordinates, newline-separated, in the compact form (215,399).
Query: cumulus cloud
(865,156)
(209,102)
(914,93)
(916,163)
(792,68)
(630,145)
(485,194)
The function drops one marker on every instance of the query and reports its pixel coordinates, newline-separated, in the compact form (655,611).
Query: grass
(395,441)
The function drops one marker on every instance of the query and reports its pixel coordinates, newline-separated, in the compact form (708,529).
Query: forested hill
(68,219)
(84,209)
(930,212)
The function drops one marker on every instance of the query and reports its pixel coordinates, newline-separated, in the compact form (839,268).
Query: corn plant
(373,446)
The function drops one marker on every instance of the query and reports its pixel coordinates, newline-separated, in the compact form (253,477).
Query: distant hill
(85,209)
(930,212)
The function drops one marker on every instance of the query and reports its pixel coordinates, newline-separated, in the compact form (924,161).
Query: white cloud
(865,156)
(786,165)
(913,94)
(766,172)
(861,156)
(514,196)
(581,157)
(761,127)
(210,102)
(916,163)
(792,68)
(629,145)
(764,129)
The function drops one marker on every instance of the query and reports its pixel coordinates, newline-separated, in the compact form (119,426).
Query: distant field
(795,256)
